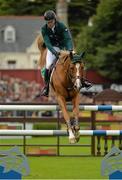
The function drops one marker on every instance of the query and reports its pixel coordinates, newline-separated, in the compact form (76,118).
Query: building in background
(18,48)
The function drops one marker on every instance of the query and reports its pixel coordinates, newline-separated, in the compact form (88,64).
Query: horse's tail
(43,51)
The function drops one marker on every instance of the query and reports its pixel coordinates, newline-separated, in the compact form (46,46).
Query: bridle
(73,78)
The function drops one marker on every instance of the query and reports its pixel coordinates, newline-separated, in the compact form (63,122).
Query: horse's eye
(82,67)
(72,67)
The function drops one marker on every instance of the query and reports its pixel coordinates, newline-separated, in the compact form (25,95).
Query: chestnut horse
(66,81)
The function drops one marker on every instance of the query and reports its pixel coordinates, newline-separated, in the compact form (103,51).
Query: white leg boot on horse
(72,138)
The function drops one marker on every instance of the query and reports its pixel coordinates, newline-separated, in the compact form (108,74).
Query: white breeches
(50,57)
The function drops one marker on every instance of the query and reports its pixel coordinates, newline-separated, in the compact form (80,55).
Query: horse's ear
(82,55)
(77,58)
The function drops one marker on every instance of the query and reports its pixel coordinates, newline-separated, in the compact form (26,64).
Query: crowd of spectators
(18,90)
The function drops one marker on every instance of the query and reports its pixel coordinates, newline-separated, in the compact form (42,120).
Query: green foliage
(109,60)
(79,13)
(25,7)
(103,41)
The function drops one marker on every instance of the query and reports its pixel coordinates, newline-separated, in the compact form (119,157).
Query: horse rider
(56,37)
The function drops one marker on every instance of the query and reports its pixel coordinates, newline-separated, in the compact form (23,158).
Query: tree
(25,7)
(79,13)
(103,40)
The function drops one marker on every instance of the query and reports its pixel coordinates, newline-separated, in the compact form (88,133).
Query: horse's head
(76,69)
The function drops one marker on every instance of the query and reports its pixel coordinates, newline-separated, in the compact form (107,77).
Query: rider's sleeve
(47,41)
(67,38)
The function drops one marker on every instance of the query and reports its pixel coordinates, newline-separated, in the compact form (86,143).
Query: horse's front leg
(62,104)
(76,125)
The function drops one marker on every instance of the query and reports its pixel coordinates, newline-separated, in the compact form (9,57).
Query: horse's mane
(64,55)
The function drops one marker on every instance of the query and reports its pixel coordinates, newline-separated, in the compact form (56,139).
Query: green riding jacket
(61,37)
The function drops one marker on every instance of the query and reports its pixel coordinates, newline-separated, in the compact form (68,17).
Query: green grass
(61,167)
(65,168)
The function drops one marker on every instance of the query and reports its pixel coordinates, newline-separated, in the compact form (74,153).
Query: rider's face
(50,23)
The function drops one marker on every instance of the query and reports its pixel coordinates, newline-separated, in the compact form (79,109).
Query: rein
(68,76)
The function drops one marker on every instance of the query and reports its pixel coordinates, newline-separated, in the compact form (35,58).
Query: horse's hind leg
(76,125)
(62,104)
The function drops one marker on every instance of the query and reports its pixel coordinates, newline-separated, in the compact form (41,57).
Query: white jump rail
(56,107)
(59,132)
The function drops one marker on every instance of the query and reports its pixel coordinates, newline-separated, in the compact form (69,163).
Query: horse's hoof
(72,140)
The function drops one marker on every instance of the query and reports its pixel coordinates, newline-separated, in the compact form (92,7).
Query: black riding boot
(45,90)
(86,84)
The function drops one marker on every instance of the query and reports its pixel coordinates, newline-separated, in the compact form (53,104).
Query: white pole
(29,107)
(56,107)
(60,132)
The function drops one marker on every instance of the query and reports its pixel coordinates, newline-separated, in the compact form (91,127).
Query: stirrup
(87,84)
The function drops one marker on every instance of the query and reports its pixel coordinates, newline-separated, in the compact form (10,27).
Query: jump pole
(56,107)
(60,132)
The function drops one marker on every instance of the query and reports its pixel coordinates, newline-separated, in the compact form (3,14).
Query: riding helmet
(49,15)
